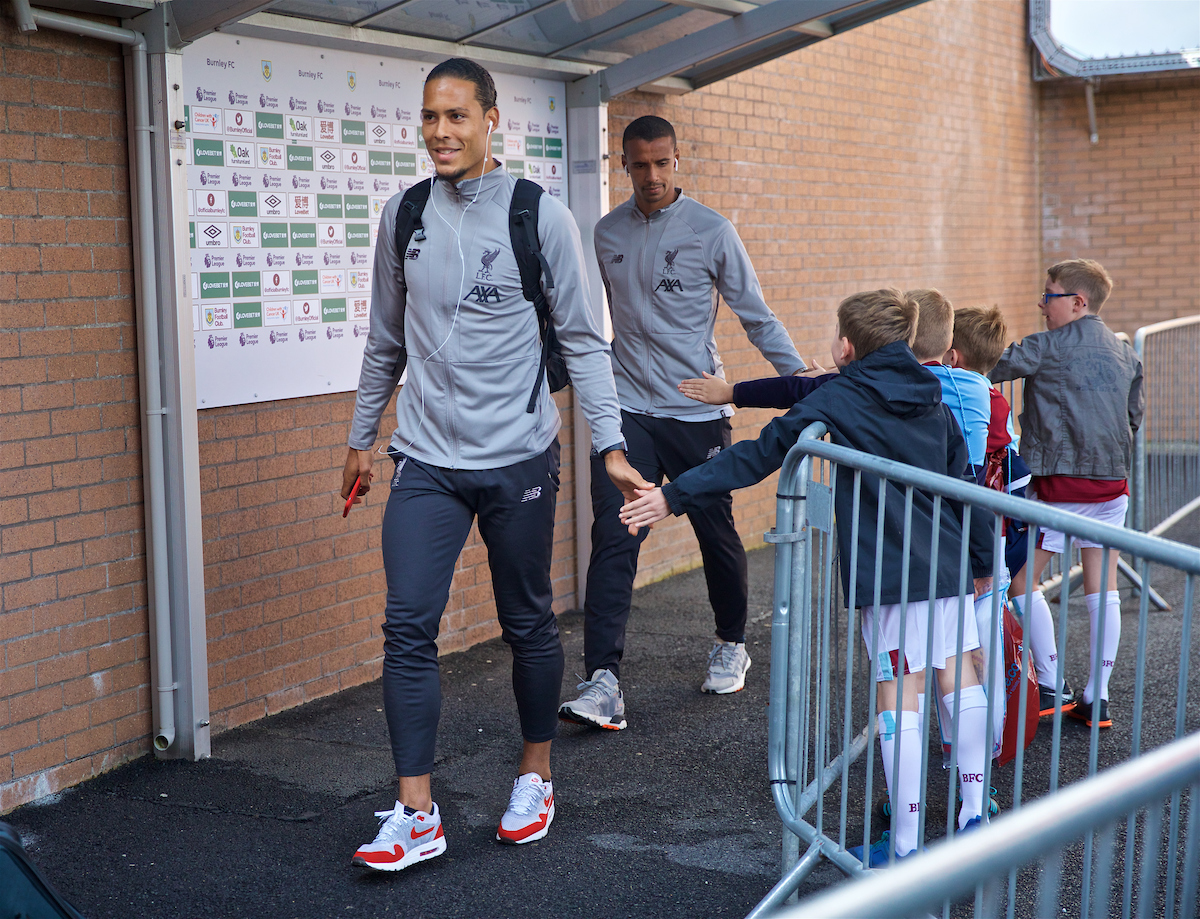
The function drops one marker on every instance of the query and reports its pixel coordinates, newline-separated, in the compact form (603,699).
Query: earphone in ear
(676,162)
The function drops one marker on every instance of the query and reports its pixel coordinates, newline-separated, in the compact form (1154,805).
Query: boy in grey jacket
(1083,401)
(664,259)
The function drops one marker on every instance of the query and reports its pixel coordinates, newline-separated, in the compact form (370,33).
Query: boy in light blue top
(966,393)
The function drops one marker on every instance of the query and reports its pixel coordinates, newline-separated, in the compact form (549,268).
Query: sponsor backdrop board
(292,154)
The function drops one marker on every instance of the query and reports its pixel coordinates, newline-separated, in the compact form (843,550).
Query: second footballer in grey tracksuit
(664,267)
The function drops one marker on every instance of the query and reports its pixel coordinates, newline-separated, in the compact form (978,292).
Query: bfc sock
(1039,628)
(972,744)
(904,789)
(1112,638)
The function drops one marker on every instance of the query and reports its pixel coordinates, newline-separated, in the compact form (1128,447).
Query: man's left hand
(982,586)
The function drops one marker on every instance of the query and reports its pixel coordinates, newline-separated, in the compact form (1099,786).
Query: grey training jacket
(1082,397)
(470,338)
(663,274)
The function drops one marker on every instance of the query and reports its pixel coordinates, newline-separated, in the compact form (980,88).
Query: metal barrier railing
(1166,474)
(1040,832)
(822,715)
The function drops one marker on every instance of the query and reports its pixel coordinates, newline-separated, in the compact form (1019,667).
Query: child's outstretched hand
(711,389)
(649,508)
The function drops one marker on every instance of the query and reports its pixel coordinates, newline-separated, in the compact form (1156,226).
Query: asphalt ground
(671,817)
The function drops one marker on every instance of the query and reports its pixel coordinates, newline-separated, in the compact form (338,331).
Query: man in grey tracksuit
(664,258)
(450,309)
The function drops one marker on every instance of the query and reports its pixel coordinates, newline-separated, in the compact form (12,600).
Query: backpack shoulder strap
(523,223)
(522,228)
(408,218)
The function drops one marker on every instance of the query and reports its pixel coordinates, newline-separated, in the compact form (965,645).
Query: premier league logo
(242,339)
(207,262)
(231,100)
(211,341)
(266,71)
(329,333)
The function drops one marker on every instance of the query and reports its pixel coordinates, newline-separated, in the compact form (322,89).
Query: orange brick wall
(898,154)
(74,658)
(1131,201)
(295,593)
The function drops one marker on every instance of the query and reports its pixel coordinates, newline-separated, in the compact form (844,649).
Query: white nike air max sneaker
(727,666)
(530,810)
(403,840)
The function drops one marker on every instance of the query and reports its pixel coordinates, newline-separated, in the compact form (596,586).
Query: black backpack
(522,231)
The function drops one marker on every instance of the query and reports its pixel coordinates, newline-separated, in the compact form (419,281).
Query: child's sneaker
(601,703)
(1046,699)
(1083,712)
(530,810)
(405,838)
(878,856)
(727,666)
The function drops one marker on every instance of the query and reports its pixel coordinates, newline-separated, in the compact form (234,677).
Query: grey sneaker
(727,666)
(600,703)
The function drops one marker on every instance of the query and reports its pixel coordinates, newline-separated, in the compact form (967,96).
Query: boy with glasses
(1083,401)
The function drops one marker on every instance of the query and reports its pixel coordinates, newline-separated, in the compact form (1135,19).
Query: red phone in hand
(353,495)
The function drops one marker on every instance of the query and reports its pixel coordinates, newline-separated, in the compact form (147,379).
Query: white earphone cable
(462,261)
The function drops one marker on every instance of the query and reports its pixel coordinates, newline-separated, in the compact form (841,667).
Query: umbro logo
(531,494)
(411,254)
(617,259)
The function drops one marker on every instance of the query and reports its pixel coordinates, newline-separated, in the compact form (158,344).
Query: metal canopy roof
(601,47)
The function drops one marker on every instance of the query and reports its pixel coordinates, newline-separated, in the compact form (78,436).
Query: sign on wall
(292,154)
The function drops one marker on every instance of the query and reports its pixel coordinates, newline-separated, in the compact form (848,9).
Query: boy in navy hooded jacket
(885,403)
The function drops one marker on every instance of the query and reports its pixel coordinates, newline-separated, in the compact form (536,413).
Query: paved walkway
(670,818)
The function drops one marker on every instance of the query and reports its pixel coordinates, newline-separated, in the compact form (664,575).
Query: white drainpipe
(28,20)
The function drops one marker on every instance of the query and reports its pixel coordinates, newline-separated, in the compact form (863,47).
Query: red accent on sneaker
(381,858)
(526,831)
(415,835)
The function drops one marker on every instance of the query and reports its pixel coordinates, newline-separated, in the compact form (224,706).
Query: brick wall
(896,154)
(74,662)
(295,593)
(1131,200)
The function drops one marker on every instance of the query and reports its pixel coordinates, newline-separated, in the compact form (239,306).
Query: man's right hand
(358,466)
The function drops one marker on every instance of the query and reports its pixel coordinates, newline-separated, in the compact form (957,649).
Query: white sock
(1112,638)
(972,744)
(904,793)
(1039,630)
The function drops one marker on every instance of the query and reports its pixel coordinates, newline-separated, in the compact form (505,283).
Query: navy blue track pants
(425,525)
(658,447)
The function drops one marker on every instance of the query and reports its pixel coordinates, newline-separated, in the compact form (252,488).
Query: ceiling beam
(292,29)
(380,14)
(475,36)
(196,18)
(720,39)
(818,27)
